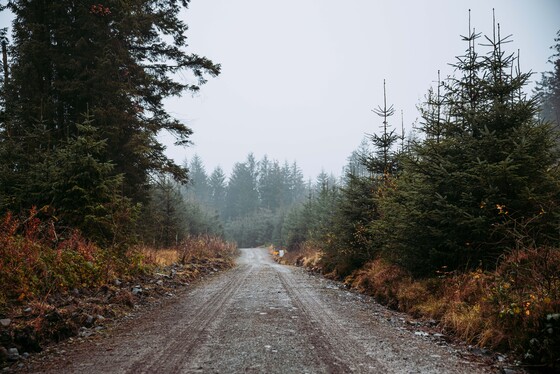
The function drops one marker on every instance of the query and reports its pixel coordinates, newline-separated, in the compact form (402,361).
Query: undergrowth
(53,285)
(36,261)
(193,249)
(307,255)
(514,308)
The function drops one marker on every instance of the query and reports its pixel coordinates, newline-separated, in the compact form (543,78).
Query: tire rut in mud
(326,333)
(261,317)
(171,358)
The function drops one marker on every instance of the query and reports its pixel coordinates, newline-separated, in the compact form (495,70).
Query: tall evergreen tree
(217,188)
(242,196)
(198,188)
(297,184)
(114,59)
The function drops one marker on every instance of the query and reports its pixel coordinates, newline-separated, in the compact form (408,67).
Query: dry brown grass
(308,255)
(202,249)
(516,307)
(513,308)
(160,257)
(381,280)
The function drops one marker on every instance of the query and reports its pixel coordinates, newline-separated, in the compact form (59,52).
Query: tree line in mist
(249,207)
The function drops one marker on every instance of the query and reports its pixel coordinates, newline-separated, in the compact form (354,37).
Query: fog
(300,77)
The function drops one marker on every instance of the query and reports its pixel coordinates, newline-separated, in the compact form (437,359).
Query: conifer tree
(242,194)
(165,214)
(114,59)
(79,182)
(479,175)
(383,163)
(217,188)
(197,188)
(296,183)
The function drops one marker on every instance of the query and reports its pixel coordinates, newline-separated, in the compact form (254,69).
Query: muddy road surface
(261,317)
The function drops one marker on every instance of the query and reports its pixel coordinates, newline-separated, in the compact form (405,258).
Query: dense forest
(81,108)
(255,205)
(470,199)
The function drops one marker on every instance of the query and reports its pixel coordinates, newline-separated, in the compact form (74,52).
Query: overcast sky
(300,77)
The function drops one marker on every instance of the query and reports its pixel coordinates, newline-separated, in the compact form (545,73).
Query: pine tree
(383,163)
(198,188)
(165,216)
(79,182)
(297,185)
(217,188)
(242,195)
(479,175)
(114,59)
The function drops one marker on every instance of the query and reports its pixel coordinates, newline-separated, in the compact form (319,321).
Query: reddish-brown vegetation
(515,308)
(55,284)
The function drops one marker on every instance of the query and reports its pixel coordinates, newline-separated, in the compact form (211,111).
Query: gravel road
(261,317)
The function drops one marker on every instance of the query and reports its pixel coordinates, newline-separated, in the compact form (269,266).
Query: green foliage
(251,207)
(217,190)
(383,162)
(484,165)
(350,241)
(114,61)
(313,220)
(198,186)
(163,222)
(76,180)
(242,196)
(252,230)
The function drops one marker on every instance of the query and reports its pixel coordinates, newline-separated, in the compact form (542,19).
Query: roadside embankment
(515,308)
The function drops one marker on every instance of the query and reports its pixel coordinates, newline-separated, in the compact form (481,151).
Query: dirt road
(262,317)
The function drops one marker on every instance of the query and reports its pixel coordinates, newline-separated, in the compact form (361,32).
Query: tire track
(261,317)
(172,357)
(327,335)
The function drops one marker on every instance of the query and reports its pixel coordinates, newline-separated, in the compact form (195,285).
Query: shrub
(516,307)
(36,261)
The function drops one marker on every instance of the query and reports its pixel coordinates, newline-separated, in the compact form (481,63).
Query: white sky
(300,77)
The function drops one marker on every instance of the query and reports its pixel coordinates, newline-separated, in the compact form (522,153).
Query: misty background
(299,78)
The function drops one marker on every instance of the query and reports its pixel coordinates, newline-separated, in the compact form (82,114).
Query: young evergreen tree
(352,242)
(383,163)
(164,220)
(77,179)
(466,191)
